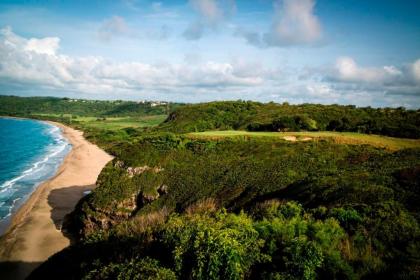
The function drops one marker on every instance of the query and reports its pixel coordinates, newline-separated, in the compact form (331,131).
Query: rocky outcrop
(90,216)
(119,164)
(163,189)
(149,197)
(154,194)
(132,171)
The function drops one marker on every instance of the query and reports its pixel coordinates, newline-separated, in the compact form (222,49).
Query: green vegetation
(254,116)
(103,122)
(277,197)
(390,143)
(115,123)
(109,123)
(250,207)
(66,108)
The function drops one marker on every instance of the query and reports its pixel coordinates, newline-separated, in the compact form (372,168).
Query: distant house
(158,103)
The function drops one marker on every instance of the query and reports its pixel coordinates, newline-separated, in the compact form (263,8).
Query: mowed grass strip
(112,123)
(389,143)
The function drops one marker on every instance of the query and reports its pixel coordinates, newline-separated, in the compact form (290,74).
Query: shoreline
(34,232)
(20,211)
(6,223)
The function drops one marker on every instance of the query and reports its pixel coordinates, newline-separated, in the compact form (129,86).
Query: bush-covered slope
(27,106)
(170,207)
(256,116)
(207,206)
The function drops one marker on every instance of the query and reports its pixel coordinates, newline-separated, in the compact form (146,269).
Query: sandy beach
(35,231)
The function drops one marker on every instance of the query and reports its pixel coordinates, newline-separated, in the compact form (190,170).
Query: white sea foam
(36,167)
(39,171)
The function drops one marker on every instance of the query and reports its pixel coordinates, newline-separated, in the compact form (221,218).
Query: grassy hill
(104,122)
(254,116)
(175,207)
(351,138)
(67,107)
(265,191)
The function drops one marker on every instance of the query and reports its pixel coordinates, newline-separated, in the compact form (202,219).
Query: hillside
(351,138)
(180,206)
(59,107)
(104,122)
(242,140)
(254,116)
(299,203)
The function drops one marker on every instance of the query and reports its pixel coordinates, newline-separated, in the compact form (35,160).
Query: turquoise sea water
(30,153)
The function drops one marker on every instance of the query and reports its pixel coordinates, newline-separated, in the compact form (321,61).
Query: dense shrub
(212,247)
(135,269)
(255,116)
(27,106)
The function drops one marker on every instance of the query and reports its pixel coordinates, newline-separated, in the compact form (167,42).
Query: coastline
(49,156)
(34,233)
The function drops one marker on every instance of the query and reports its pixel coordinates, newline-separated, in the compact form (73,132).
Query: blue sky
(349,52)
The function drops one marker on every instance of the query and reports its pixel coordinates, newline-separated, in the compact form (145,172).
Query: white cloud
(295,23)
(348,70)
(47,45)
(44,68)
(211,14)
(347,76)
(323,91)
(415,70)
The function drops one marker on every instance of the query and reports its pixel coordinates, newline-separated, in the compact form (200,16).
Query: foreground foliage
(211,209)
(285,243)
(182,206)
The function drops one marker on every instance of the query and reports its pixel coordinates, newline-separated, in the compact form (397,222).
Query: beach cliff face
(35,231)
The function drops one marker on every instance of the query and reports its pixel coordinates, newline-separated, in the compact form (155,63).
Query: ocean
(30,152)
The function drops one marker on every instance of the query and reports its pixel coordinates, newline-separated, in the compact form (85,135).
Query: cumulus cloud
(113,27)
(38,64)
(346,74)
(211,14)
(415,70)
(323,91)
(347,70)
(295,23)
(47,45)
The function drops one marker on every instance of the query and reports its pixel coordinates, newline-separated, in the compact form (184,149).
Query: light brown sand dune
(35,234)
